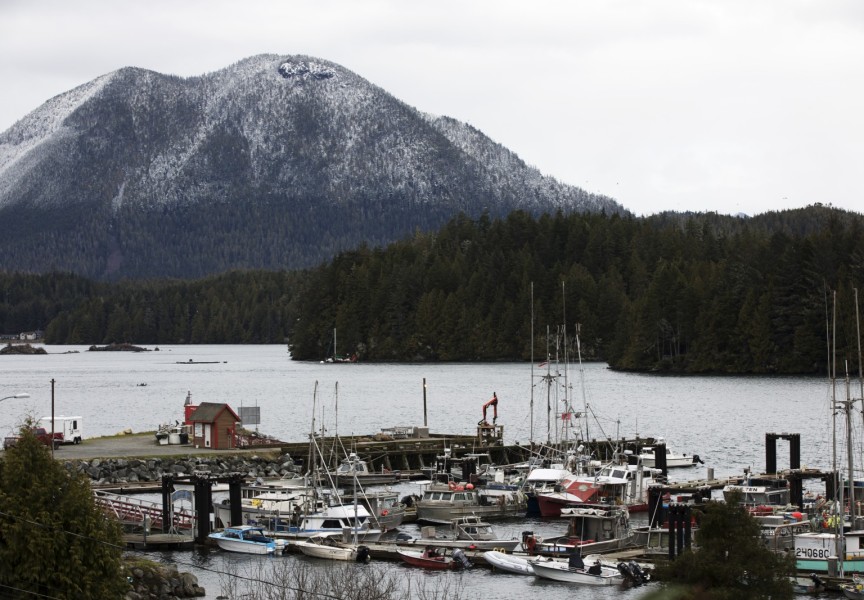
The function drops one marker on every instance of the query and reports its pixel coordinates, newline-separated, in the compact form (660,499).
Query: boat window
(618,474)
(471,530)
(331,524)
(459,496)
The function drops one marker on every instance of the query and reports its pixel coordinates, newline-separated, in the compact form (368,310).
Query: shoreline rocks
(164,582)
(133,470)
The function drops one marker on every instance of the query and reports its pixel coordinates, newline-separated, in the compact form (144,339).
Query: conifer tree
(54,541)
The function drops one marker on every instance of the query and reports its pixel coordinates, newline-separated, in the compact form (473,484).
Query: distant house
(31,336)
(213,425)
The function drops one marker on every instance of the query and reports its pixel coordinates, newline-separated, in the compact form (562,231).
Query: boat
(350,521)
(541,481)
(615,483)
(591,528)
(353,466)
(339,358)
(441,503)
(648,456)
(574,571)
(816,552)
(434,558)
(388,511)
(508,562)
(469,532)
(853,591)
(328,548)
(247,539)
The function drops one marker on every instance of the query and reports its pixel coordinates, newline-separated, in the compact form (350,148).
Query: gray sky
(721,105)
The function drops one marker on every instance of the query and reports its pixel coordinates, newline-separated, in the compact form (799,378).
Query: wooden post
(425,421)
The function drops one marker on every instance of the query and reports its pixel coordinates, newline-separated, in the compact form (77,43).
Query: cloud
(666,104)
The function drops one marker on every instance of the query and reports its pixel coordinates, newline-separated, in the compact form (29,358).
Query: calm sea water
(723,419)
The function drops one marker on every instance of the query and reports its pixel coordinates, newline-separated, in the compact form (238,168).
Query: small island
(22,349)
(118,348)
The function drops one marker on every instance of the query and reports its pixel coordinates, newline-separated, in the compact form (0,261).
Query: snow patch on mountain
(37,129)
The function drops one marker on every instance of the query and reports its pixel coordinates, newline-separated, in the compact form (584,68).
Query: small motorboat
(327,547)
(435,558)
(509,563)
(571,572)
(647,456)
(247,539)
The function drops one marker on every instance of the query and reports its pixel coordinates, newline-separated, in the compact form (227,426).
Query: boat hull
(508,563)
(560,571)
(416,559)
(316,550)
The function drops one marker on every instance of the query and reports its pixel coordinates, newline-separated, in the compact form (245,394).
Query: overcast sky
(704,105)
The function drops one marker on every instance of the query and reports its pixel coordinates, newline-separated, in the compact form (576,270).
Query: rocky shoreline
(134,470)
(165,582)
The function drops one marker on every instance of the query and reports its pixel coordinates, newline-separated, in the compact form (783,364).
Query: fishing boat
(353,521)
(442,503)
(508,562)
(434,558)
(328,548)
(590,528)
(615,483)
(541,481)
(574,571)
(353,467)
(387,510)
(469,532)
(648,456)
(246,539)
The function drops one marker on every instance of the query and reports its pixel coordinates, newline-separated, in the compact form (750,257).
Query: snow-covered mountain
(276,162)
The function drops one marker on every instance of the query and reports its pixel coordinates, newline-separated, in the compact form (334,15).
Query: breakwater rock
(134,470)
(165,582)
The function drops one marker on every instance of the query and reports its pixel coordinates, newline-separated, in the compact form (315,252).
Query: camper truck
(69,427)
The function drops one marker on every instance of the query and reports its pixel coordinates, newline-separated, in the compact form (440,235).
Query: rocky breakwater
(165,582)
(133,470)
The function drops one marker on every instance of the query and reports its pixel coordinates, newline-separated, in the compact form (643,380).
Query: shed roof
(207,412)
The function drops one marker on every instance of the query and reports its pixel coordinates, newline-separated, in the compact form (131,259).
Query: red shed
(213,425)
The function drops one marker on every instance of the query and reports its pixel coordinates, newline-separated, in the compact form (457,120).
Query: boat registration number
(812,552)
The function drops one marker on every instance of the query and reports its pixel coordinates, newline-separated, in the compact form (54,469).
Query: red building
(212,425)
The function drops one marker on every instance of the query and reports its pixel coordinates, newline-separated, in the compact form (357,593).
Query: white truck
(70,427)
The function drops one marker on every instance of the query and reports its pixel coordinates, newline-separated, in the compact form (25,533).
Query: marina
(732,448)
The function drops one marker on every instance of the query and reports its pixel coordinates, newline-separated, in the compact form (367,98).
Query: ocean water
(722,419)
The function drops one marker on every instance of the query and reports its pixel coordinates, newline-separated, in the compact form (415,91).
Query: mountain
(276,162)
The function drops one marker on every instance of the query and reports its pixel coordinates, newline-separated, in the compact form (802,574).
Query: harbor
(731,441)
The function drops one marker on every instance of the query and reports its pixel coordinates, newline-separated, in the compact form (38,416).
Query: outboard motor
(460,558)
(633,573)
(363,555)
(696,459)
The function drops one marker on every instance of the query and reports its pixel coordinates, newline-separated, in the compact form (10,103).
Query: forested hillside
(681,293)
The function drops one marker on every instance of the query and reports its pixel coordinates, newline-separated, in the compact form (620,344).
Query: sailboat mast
(532,368)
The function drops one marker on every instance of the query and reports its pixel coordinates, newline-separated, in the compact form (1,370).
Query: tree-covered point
(695,293)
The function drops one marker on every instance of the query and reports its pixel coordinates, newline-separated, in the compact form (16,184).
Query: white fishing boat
(328,548)
(574,571)
(508,562)
(342,520)
(648,457)
(247,540)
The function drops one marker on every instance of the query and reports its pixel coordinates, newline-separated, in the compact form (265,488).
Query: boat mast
(532,369)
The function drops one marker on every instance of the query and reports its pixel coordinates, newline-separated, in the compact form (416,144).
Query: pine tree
(729,561)
(54,541)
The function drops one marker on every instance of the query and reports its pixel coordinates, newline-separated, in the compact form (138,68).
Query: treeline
(236,308)
(683,293)
(680,293)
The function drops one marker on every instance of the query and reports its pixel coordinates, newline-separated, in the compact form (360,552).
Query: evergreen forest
(685,293)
